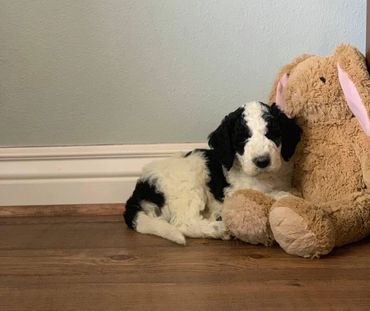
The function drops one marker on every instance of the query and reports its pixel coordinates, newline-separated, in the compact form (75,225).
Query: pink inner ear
(279,90)
(354,100)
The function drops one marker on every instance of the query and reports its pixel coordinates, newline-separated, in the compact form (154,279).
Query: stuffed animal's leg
(245,214)
(310,230)
(302,228)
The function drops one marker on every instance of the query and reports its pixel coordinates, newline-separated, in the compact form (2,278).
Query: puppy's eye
(323,80)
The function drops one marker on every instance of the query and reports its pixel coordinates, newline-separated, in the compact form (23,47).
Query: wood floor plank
(96,263)
(172,296)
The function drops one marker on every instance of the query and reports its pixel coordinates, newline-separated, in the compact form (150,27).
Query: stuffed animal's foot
(301,228)
(246,216)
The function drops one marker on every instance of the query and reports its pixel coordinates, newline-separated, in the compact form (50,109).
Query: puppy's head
(256,135)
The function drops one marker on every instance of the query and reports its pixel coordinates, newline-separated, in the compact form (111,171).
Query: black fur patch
(144,191)
(290,132)
(229,137)
(240,135)
(272,119)
(217,181)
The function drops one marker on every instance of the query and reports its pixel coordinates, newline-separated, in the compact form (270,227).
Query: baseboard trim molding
(78,174)
(112,209)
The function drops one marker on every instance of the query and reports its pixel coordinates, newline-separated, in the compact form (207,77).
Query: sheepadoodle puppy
(182,196)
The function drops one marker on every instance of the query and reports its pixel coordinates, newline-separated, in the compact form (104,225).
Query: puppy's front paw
(227,236)
(221,231)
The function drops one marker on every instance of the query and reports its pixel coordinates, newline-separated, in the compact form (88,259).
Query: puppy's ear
(221,140)
(290,132)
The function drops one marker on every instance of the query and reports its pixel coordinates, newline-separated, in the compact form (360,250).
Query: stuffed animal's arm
(362,149)
(365,165)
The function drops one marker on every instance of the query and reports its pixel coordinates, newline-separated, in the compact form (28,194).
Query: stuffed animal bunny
(330,99)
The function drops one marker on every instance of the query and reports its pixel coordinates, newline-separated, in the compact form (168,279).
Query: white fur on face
(258,145)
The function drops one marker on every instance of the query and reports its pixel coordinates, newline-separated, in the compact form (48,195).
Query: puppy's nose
(262,161)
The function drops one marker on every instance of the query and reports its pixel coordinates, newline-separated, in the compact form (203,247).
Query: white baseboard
(78,174)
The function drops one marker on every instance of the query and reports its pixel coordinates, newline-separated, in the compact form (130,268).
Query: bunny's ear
(281,79)
(354,80)
(279,91)
(354,100)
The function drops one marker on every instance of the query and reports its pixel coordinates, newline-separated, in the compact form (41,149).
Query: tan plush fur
(332,161)
(248,216)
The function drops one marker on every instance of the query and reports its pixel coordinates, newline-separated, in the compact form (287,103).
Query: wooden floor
(95,263)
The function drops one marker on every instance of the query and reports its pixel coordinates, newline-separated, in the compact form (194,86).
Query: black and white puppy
(182,196)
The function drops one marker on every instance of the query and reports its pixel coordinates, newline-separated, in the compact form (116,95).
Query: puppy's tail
(159,227)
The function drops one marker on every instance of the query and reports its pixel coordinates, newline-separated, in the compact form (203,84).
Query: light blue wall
(150,71)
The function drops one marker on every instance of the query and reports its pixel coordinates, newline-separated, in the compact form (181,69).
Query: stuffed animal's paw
(246,216)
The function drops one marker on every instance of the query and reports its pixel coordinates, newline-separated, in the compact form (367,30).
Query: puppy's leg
(213,212)
(152,225)
(187,208)
(203,228)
